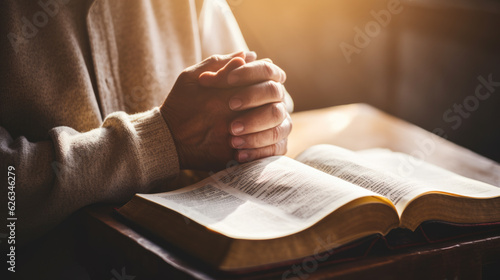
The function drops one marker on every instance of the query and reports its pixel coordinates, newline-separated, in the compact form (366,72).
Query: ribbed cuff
(158,154)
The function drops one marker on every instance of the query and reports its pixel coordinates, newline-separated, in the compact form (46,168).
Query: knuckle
(257,140)
(185,75)
(278,112)
(281,131)
(290,125)
(213,58)
(249,142)
(282,76)
(280,148)
(276,134)
(186,72)
(273,149)
(283,147)
(274,89)
(268,69)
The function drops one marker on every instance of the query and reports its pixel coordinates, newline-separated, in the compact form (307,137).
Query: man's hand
(225,103)
(263,125)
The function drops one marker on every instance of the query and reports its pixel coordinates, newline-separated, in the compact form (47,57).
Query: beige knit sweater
(74,76)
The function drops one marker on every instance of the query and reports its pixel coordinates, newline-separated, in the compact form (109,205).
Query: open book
(279,209)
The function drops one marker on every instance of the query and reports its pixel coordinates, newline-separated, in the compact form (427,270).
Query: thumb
(219,79)
(216,62)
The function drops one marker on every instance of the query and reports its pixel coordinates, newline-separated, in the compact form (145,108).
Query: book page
(431,175)
(264,199)
(377,170)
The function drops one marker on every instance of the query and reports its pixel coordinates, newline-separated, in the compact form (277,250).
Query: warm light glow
(338,121)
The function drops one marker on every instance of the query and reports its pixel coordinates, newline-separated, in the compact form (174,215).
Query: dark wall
(421,66)
(442,56)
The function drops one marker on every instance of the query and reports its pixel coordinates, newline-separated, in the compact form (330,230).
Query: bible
(279,209)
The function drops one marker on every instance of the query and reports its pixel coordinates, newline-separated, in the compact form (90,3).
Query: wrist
(168,119)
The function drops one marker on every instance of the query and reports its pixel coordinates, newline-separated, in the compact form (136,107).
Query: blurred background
(434,63)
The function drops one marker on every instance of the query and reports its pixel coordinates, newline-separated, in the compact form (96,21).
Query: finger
(288,101)
(263,138)
(277,149)
(257,95)
(259,119)
(250,56)
(214,63)
(256,72)
(219,78)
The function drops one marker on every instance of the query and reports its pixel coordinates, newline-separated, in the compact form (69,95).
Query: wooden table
(360,126)
(111,244)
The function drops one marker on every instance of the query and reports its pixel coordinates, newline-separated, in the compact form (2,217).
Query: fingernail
(235,103)
(238,142)
(237,127)
(243,156)
(232,79)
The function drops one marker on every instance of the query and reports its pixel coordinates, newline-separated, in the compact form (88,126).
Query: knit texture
(80,83)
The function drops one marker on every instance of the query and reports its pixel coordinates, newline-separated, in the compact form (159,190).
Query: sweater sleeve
(125,155)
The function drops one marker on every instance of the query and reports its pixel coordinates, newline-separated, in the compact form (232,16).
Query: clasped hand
(226,108)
